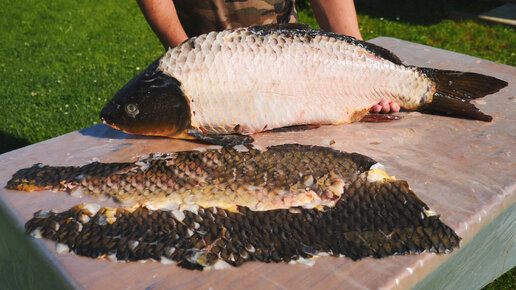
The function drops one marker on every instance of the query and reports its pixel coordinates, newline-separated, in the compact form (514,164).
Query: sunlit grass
(60,61)
(492,42)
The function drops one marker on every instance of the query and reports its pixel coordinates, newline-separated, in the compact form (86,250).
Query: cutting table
(464,170)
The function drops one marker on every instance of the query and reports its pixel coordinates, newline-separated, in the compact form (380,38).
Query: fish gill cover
(208,209)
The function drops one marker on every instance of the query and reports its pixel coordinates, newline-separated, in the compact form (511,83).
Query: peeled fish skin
(374,219)
(283,176)
(238,204)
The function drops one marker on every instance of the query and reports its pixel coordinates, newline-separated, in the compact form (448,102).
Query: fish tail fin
(455,90)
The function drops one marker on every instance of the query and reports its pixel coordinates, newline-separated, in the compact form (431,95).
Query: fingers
(385,107)
(394,107)
(376,108)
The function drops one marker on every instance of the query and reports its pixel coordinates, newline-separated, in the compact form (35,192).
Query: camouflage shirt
(202,16)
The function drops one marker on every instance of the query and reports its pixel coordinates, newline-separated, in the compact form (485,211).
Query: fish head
(150,104)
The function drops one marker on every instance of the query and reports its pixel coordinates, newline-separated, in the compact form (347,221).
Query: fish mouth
(105,116)
(111,125)
(110,113)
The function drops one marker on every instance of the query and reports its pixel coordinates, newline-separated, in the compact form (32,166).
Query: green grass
(61,61)
(506,281)
(411,21)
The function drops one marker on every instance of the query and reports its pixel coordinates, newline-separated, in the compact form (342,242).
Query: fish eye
(132,109)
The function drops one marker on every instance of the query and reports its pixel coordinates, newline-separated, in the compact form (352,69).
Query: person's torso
(202,16)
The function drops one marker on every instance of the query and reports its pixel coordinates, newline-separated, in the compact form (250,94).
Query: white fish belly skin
(237,81)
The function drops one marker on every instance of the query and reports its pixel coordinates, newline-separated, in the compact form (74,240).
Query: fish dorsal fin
(373,48)
(279,26)
(303,29)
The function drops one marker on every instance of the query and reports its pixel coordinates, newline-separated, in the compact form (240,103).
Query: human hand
(385,107)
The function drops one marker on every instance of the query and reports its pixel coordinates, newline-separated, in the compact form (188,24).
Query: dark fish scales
(281,177)
(237,204)
(359,225)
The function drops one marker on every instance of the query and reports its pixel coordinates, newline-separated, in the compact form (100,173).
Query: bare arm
(337,16)
(162,18)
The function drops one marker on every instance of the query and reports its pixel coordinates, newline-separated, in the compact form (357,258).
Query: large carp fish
(211,208)
(222,86)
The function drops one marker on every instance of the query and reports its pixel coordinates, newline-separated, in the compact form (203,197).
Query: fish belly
(237,81)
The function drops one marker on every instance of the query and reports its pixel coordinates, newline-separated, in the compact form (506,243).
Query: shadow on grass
(422,12)
(10,142)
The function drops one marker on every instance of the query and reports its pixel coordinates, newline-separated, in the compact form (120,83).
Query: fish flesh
(218,207)
(222,86)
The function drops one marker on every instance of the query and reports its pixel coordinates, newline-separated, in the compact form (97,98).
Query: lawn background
(61,61)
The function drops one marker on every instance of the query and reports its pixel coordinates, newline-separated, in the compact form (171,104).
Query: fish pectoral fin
(380,118)
(295,128)
(184,135)
(222,139)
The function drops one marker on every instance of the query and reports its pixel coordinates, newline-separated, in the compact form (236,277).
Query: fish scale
(222,86)
(280,177)
(276,92)
(236,204)
(211,235)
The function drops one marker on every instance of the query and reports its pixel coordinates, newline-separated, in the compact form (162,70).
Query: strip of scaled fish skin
(238,204)
(378,219)
(282,176)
